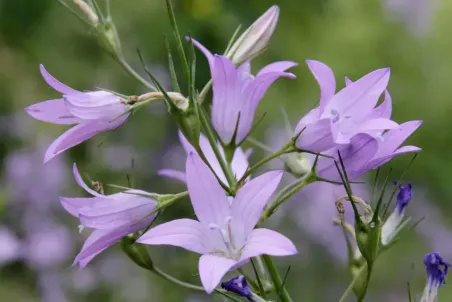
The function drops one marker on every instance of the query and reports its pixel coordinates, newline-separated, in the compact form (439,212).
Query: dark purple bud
(239,286)
(437,269)
(403,197)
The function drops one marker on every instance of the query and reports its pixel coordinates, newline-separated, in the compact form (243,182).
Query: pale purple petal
(206,52)
(348,81)
(251,199)
(81,183)
(268,242)
(239,163)
(245,69)
(378,124)
(377,162)
(325,77)
(174,174)
(211,157)
(359,97)
(384,110)
(212,269)
(79,134)
(310,117)
(94,105)
(185,233)
(318,136)
(207,196)
(73,204)
(54,83)
(52,111)
(92,238)
(280,66)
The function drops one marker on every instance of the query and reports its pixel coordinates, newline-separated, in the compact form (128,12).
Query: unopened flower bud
(298,164)
(437,269)
(88,11)
(255,38)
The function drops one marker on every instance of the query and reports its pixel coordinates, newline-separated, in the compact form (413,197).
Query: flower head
(437,269)
(254,40)
(342,115)
(111,216)
(239,286)
(92,112)
(237,93)
(224,233)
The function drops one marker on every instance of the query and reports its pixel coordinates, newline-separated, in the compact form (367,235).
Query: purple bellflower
(366,152)
(237,93)
(239,162)
(342,115)
(239,286)
(437,269)
(391,225)
(111,216)
(92,112)
(225,234)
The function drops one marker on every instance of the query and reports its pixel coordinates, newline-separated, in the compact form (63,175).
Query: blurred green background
(38,240)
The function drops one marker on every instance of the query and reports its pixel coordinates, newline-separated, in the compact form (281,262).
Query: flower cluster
(229,198)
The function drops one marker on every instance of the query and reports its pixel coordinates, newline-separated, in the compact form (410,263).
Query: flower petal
(394,138)
(251,199)
(318,136)
(185,233)
(377,162)
(239,163)
(206,52)
(52,111)
(79,134)
(384,110)
(378,124)
(54,83)
(81,183)
(207,196)
(92,239)
(73,204)
(212,269)
(174,174)
(280,66)
(268,242)
(325,77)
(94,105)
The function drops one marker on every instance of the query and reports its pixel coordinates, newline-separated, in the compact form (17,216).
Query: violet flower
(239,163)
(93,112)
(111,216)
(342,115)
(366,152)
(225,234)
(239,286)
(237,93)
(437,269)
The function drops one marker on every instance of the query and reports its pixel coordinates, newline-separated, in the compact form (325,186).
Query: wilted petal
(79,134)
(207,196)
(251,199)
(185,233)
(325,77)
(54,83)
(212,269)
(81,183)
(52,111)
(268,242)
(174,174)
(318,136)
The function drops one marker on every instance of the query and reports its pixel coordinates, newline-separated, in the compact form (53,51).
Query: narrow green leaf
(174,81)
(258,278)
(382,195)
(374,187)
(177,36)
(232,40)
(283,283)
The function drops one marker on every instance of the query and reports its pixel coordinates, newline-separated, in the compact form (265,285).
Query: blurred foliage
(352,36)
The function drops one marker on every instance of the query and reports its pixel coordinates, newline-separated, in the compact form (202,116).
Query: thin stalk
(352,284)
(211,137)
(276,279)
(134,74)
(176,281)
(258,278)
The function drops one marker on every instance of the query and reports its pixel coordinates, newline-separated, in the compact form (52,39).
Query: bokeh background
(38,240)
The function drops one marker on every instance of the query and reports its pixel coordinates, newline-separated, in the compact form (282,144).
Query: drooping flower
(111,216)
(256,38)
(237,93)
(437,269)
(239,286)
(224,234)
(342,115)
(93,112)
(239,163)
(391,225)
(366,152)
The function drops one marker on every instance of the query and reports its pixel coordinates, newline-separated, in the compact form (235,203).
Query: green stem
(176,281)
(285,149)
(213,142)
(352,284)
(309,178)
(134,74)
(276,278)
(204,91)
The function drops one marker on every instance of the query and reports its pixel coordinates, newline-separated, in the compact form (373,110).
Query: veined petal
(81,183)
(174,174)
(207,196)
(185,233)
(52,111)
(280,66)
(54,83)
(79,134)
(212,269)
(379,161)
(378,124)
(92,238)
(94,105)
(251,199)
(359,97)
(268,242)
(384,110)
(325,77)
(318,136)
(73,204)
